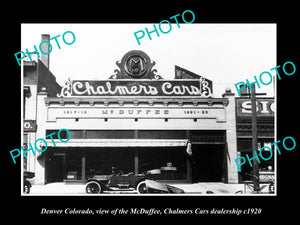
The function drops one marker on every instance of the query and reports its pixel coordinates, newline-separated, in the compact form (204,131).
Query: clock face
(136,66)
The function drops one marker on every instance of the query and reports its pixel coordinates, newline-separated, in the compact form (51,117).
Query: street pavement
(202,188)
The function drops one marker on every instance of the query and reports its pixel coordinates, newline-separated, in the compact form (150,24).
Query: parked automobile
(116,181)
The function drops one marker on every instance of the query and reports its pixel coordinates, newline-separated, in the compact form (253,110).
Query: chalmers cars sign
(135,77)
(141,87)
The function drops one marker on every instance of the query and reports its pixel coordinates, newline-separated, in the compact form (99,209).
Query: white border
(236,195)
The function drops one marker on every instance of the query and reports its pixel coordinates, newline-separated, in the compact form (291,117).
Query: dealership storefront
(139,122)
(163,153)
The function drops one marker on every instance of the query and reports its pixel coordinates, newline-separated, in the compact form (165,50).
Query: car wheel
(26,189)
(271,188)
(141,187)
(93,187)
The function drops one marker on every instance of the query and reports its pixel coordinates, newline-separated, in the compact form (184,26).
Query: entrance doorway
(55,168)
(99,161)
(207,162)
(164,163)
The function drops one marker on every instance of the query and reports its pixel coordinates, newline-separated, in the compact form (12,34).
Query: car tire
(141,187)
(93,187)
(271,188)
(26,189)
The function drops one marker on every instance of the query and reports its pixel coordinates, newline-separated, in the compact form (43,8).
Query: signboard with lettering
(266,176)
(138,87)
(29,125)
(264,107)
(217,113)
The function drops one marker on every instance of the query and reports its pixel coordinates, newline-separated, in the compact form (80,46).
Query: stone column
(231,155)
(41,119)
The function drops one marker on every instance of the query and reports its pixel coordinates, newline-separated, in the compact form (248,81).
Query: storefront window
(110,134)
(99,161)
(162,134)
(211,136)
(163,163)
(245,147)
(75,134)
(267,165)
(73,165)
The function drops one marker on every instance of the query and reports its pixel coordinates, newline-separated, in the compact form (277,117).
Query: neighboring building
(37,77)
(265,129)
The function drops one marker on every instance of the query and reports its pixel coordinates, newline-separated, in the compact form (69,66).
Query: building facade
(134,120)
(265,109)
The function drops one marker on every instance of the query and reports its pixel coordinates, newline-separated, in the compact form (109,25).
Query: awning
(118,143)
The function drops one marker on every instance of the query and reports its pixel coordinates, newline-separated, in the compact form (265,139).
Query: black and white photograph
(131,112)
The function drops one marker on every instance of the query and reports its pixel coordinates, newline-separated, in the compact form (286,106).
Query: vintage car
(116,181)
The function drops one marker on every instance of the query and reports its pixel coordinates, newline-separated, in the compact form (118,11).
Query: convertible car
(117,181)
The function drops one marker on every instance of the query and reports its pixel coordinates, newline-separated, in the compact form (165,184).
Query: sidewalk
(209,187)
(59,188)
(202,188)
